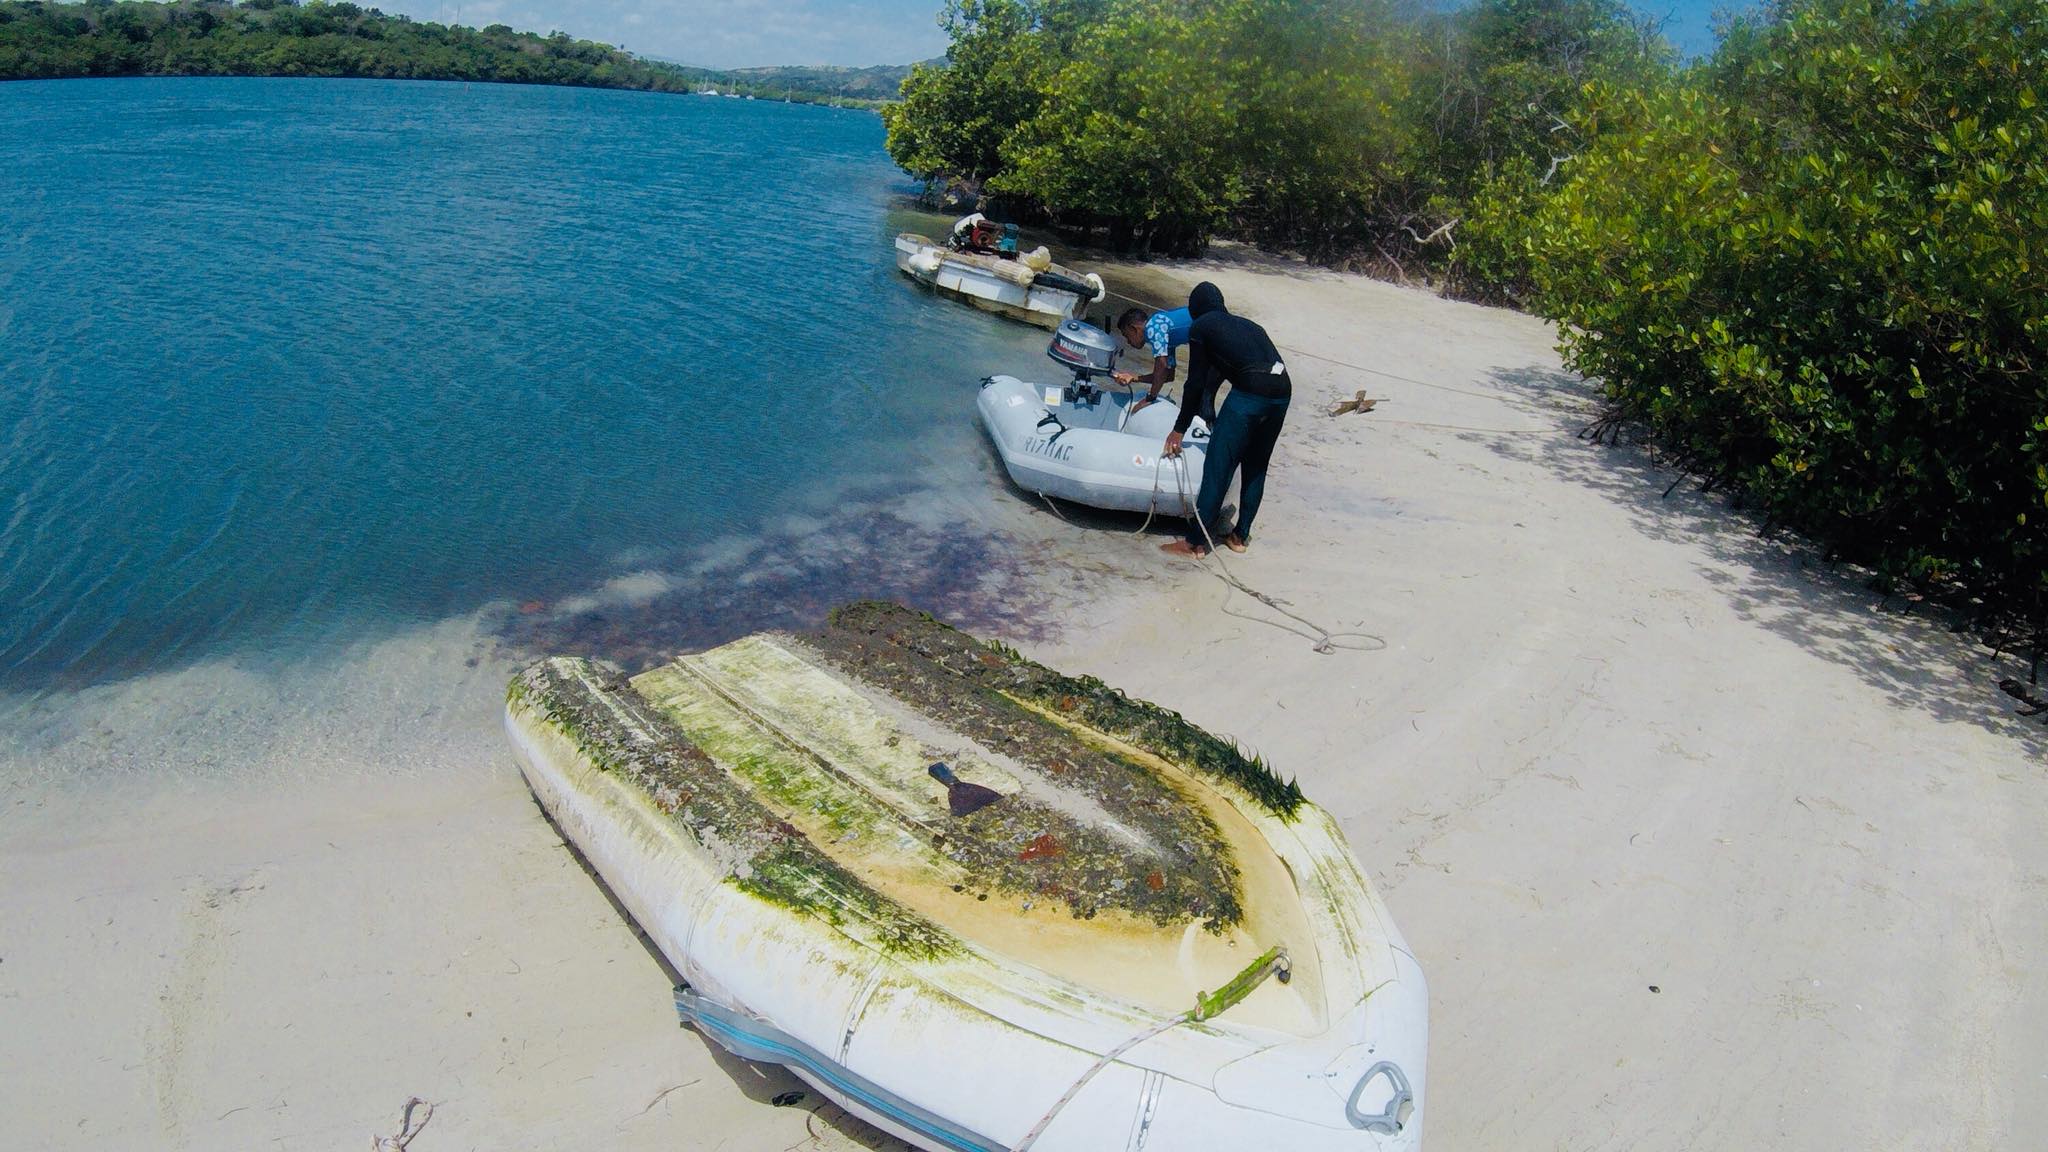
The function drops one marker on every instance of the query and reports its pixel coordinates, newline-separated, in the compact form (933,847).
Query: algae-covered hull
(768,813)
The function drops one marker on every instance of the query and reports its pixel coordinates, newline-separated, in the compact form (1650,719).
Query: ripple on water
(304,361)
(315,384)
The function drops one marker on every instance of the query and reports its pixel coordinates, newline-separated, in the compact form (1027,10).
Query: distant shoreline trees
(41,40)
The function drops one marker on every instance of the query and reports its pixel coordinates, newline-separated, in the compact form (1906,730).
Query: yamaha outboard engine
(1088,351)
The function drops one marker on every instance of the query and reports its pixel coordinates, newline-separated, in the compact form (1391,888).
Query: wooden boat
(1006,286)
(1123,933)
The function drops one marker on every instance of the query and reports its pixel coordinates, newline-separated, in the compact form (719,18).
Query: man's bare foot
(1182,548)
(1235,543)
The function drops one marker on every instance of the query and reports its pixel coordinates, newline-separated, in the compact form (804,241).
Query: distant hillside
(879,83)
(283,38)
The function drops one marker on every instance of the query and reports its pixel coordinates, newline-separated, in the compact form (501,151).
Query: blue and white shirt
(1168,330)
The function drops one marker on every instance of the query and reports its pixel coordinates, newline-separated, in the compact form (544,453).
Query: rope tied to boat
(1208,1005)
(1293,351)
(1324,642)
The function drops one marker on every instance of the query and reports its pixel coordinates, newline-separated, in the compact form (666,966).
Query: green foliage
(1136,127)
(1506,96)
(281,38)
(1324,140)
(954,116)
(1492,263)
(1501,80)
(869,86)
(1171,121)
(1818,269)
(1327,126)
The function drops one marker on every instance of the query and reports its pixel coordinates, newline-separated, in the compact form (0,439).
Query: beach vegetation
(1815,269)
(1333,129)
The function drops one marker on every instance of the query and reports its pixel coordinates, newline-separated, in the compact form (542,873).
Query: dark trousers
(1243,436)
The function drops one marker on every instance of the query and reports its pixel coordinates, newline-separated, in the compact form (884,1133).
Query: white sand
(1612,742)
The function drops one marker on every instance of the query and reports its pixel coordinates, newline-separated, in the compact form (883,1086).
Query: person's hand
(1124,377)
(1172,444)
(1142,402)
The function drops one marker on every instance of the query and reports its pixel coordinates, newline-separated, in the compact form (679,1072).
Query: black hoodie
(1226,347)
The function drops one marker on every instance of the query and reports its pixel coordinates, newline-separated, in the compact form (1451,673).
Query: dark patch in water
(987,581)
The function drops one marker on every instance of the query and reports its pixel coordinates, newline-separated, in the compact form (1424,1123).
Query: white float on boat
(1145,941)
(1082,443)
(1034,291)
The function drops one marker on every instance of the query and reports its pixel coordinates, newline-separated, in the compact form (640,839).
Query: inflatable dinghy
(1083,443)
(983,906)
(1008,286)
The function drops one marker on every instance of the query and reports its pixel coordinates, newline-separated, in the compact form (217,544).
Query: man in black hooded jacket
(1226,347)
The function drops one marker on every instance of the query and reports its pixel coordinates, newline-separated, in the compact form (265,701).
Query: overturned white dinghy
(1082,443)
(1111,930)
(1007,286)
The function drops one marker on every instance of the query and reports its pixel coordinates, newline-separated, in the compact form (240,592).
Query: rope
(1108,1058)
(1467,428)
(1293,351)
(1151,508)
(1397,376)
(407,1129)
(1152,505)
(1324,642)
(1207,1005)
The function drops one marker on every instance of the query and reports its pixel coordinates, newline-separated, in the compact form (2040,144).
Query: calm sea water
(285,364)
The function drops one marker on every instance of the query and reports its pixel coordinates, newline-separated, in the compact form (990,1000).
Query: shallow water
(296,369)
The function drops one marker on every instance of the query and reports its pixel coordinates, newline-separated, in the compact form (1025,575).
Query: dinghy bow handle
(1387,1121)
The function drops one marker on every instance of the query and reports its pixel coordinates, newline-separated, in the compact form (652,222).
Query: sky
(739,33)
(1689,24)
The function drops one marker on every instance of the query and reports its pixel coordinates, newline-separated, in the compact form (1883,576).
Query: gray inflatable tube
(1092,451)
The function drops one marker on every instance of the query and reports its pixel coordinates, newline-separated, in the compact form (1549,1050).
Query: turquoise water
(286,365)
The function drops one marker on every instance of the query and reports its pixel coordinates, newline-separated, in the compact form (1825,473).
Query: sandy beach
(1700,844)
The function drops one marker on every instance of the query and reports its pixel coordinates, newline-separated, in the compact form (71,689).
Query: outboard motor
(1088,351)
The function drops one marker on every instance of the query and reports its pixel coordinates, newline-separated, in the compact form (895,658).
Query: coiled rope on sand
(1322,641)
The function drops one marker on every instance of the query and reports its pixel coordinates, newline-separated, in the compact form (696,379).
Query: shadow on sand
(1915,654)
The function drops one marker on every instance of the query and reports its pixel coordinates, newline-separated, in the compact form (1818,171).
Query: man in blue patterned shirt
(1162,332)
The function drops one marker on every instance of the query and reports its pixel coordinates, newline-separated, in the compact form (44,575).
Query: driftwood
(1361,405)
(1442,230)
(2031,705)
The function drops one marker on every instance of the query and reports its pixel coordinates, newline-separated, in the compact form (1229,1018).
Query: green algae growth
(1085,699)
(596,709)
